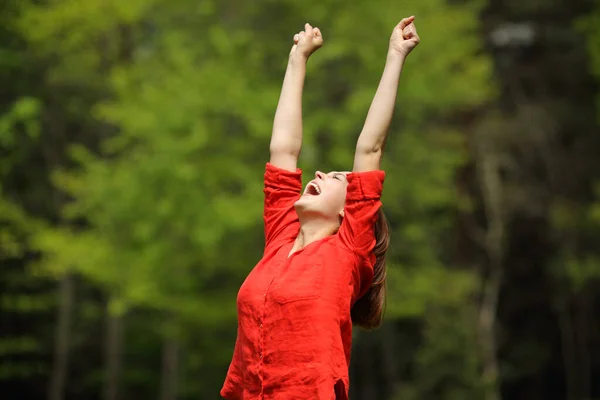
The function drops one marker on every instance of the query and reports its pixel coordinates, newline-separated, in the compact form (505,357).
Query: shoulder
(281,180)
(273,171)
(340,257)
(365,185)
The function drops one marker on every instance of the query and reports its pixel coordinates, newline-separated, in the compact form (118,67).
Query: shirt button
(260,326)
(261,357)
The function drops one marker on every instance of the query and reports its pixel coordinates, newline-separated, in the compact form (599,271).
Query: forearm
(372,138)
(287,125)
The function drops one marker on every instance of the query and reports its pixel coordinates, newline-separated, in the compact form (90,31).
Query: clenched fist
(307,42)
(404,37)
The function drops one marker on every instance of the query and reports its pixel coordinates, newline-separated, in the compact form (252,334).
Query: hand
(307,42)
(404,37)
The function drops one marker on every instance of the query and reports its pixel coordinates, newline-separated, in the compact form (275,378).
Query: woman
(323,267)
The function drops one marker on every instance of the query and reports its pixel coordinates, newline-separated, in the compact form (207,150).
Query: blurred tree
(22,194)
(544,136)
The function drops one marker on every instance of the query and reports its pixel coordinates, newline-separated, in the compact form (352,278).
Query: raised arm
(286,138)
(369,148)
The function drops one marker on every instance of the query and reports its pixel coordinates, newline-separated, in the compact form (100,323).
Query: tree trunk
(58,379)
(583,344)
(371,384)
(170,364)
(491,187)
(389,357)
(487,337)
(113,356)
(568,349)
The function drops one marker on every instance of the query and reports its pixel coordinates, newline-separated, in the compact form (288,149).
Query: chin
(305,200)
(304,206)
(301,204)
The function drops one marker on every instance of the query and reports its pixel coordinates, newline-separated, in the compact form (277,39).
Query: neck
(312,230)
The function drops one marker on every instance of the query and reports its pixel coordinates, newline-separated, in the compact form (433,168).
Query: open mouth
(312,189)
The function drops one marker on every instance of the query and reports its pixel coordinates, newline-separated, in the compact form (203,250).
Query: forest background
(133,138)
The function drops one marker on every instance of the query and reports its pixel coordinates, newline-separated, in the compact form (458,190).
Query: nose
(319,175)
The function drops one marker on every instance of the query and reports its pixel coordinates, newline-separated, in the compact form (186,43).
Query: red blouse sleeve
(282,189)
(357,231)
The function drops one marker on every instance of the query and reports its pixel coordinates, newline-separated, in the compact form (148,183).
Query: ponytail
(368,311)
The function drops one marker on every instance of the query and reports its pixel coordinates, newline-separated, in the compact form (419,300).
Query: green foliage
(448,366)
(578,269)
(165,214)
(590,27)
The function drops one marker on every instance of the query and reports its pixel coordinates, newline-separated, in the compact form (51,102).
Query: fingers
(308,40)
(317,37)
(308,29)
(405,22)
(317,33)
(414,39)
(409,31)
(308,32)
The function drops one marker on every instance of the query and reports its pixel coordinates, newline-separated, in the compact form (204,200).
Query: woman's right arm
(365,183)
(286,138)
(369,147)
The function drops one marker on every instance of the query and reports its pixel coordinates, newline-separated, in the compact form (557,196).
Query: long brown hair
(368,311)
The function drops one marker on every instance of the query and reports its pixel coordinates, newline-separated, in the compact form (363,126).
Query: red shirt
(294,326)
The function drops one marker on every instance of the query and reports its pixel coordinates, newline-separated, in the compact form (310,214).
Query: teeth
(314,185)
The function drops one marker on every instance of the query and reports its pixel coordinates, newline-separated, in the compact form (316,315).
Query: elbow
(367,159)
(370,143)
(277,150)
(371,150)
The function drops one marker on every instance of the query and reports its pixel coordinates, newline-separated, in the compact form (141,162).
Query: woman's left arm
(369,148)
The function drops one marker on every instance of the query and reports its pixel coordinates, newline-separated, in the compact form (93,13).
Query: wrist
(395,55)
(297,58)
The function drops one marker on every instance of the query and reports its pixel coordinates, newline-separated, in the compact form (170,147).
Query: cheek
(338,198)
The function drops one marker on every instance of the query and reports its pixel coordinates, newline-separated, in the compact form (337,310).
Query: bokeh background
(133,139)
